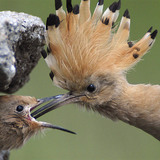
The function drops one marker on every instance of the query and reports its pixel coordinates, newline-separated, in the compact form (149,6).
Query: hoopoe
(17,124)
(89,56)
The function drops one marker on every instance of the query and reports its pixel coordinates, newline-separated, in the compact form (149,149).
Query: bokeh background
(97,138)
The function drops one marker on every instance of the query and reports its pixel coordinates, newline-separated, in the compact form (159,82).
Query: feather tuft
(82,45)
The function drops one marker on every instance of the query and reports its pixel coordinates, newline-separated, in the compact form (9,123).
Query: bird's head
(89,55)
(17,124)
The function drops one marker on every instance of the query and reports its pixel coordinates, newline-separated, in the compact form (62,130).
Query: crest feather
(81,45)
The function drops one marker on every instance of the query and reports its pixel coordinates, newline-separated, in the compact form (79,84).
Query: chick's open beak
(46,108)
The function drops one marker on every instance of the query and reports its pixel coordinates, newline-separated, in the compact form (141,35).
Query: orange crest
(80,45)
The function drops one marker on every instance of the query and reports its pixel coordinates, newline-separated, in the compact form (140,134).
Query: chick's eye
(91,88)
(19,108)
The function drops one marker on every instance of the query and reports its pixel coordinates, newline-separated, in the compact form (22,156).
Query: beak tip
(73,132)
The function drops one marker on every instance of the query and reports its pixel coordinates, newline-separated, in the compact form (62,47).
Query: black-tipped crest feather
(126,14)
(51,74)
(76,9)
(52,20)
(106,21)
(153,35)
(150,29)
(119,5)
(130,44)
(44,54)
(113,7)
(69,6)
(100,2)
(58,4)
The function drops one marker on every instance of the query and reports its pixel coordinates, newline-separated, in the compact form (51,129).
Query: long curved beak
(55,101)
(48,125)
(44,100)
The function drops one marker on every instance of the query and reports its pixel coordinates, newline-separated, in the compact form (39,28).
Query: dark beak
(44,100)
(55,102)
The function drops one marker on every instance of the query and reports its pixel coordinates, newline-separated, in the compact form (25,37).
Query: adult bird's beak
(58,101)
(46,108)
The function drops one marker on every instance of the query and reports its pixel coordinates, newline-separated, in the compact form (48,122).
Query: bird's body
(17,124)
(89,57)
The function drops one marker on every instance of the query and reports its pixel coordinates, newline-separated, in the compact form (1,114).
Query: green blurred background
(97,138)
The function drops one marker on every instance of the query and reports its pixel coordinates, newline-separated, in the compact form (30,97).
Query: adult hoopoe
(17,124)
(89,56)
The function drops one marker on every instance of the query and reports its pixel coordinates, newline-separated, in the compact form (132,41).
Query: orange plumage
(82,44)
(89,56)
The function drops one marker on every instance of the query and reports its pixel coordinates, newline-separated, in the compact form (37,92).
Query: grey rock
(4,155)
(22,38)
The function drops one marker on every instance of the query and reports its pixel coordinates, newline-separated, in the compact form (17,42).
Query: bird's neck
(139,105)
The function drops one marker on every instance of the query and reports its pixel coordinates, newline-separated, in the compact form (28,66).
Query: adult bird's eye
(19,108)
(91,88)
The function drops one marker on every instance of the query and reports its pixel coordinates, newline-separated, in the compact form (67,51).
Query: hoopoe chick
(17,124)
(89,57)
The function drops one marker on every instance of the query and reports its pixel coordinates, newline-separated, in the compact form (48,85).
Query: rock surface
(4,155)
(21,42)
